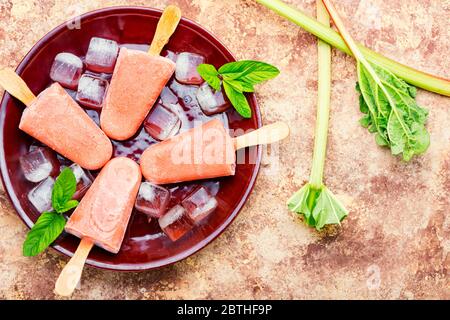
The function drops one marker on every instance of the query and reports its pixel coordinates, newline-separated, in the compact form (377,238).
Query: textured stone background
(395,243)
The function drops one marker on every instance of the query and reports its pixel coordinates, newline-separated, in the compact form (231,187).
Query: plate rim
(164,262)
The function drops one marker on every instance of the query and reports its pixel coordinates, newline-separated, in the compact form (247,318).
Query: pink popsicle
(103,214)
(56,120)
(135,86)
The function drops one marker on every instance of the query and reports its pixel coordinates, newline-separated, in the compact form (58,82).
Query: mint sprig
(237,78)
(47,228)
(63,191)
(51,224)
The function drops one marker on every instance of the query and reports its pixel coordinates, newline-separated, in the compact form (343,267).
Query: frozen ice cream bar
(204,152)
(138,80)
(136,84)
(56,120)
(102,215)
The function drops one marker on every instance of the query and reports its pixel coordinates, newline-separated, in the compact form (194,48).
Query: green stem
(361,59)
(323,103)
(415,77)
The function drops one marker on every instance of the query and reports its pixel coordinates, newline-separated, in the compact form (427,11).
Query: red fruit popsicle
(204,152)
(56,120)
(137,81)
(102,216)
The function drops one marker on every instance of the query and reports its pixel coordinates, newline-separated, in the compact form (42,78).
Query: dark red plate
(143,248)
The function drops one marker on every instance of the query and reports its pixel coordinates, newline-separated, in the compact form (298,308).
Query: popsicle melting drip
(67,69)
(186,70)
(211,101)
(102,55)
(152,200)
(91,91)
(41,195)
(39,164)
(162,123)
(175,223)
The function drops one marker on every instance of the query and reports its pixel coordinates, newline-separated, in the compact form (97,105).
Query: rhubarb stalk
(324,32)
(318,205)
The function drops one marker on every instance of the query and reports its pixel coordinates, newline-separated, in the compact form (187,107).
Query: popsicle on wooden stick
(102,217)
(137,81)
(204,152)
(56,120)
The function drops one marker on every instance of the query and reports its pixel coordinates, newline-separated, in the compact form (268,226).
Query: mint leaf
(249,71)
(235,84)
(209,73)
(63,190)
(238,100)
(47,228)
(239,85)
(239,68)
(50,224)
(68,206)
(238,77)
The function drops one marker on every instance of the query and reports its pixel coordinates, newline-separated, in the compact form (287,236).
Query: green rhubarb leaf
(299,203)
(319,207)
(391,112)
(328,209)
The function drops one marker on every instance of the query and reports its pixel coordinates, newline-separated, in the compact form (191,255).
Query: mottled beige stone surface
(395,243)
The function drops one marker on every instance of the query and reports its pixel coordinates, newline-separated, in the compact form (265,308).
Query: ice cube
(35,145)
(211,101)
(162,123)
(170,55)
(102,55)
(152,200)
(212,186)
(41,195)
(168,97)
(175,223)
(84,181)
(91,91)
(94,115)
(39,164)
(135,46)
(180,191)
(72,93)
(186,93)
(199,204)
(67,69)
(186,70)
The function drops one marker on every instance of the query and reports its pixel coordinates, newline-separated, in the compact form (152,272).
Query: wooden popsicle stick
(16,87)
(265,135)
(166,27)
(71,274)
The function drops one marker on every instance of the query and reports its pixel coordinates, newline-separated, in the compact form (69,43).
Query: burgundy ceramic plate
(144,246)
